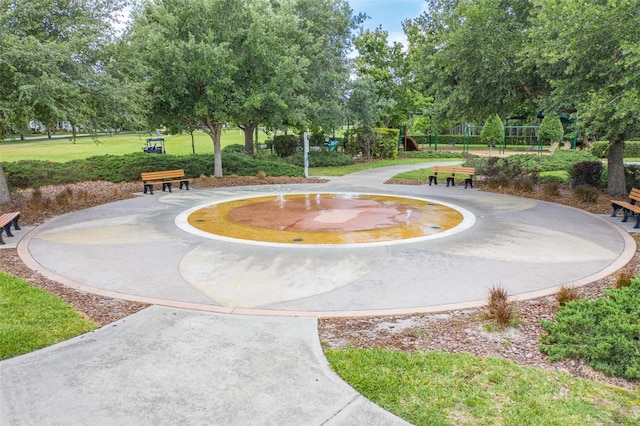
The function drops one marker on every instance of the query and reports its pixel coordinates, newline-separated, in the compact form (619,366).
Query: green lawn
(31,318)
(433,388)
(63,149)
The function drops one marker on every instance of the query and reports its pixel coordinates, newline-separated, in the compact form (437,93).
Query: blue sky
(389,14)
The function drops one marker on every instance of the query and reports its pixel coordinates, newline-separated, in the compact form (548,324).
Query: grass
(434,388)
(31,318)
(63,149)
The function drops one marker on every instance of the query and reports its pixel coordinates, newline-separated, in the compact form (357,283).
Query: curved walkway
(176,363)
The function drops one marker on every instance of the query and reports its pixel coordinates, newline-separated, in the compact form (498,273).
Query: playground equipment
(332,143)
(525,136)
(154,146)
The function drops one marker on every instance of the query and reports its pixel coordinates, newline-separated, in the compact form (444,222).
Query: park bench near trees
(629,207)
(165,178)
(449,173)
(6,221)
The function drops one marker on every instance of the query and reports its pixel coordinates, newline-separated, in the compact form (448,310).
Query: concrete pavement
(185,360)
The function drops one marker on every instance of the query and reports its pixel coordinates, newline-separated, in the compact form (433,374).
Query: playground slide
(410,144)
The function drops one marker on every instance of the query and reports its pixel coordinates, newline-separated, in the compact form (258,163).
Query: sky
(389,14)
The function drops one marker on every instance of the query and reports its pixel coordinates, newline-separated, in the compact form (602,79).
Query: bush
(586,194)
(127,168)
(551,129)
(587,173)
(499,309)
(632,176)
(604,332)
(492,132)
(524,184)
(566,294)
(285,145)
(498,182)
(431,154)
(235,147)
(551,189)
(623,280)
(247,165)
(321,159)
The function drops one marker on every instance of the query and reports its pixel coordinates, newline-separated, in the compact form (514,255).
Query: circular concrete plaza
(214,249)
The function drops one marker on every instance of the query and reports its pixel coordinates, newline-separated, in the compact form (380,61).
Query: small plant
(623,280)
(524,184)
(65,197)
(587,173)
(498,182)
(586,194)
(498,307)
(551,189)
(261,175)
(566,294)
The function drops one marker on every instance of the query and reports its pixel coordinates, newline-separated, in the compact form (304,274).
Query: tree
(270,69)
(551,129)
(51,53)
(326,28)
(492,132)
(364,109)
(588,51)
(466,54)
(187,47)
(387,65)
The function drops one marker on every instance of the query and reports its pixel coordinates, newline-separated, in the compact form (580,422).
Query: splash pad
(326,219)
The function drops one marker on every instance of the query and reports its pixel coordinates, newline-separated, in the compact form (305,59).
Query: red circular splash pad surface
(325,218)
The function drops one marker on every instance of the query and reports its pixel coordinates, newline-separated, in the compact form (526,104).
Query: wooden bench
(165,178)
(630,208)
(6,220)
(450,172)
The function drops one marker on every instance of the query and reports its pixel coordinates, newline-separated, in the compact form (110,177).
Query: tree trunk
(5,195)
(214,130)
(249,129)
(615,167)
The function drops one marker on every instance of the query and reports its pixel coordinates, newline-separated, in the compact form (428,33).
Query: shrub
(285,145)
(321,159)
(631,176)
(587,173)
(431,154)
(586,194)
(623,280)
(524,184)
(235,147)
(605,332)
(551,189)
(551,129)
(566,294)
(499,309)
(498,182)
(127,168)
(492,132)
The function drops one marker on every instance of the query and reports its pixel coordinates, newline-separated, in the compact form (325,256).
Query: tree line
(282,64)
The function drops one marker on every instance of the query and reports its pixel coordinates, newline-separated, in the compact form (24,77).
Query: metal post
(306,155)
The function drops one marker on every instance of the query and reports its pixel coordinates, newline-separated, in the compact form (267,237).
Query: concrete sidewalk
(185,360)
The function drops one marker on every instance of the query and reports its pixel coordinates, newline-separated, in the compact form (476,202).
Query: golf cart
(154,146)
